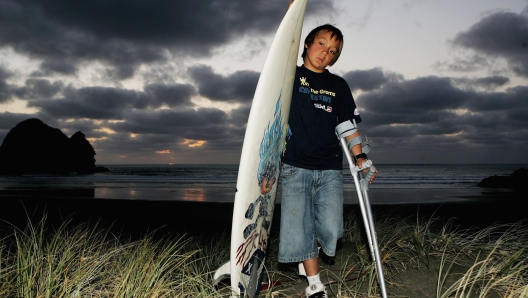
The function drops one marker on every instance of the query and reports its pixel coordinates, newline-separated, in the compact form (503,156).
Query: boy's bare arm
(357,150)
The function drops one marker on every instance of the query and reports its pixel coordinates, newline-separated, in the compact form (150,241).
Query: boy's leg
(311,266)
(328,210)
(297,230)
(328,202)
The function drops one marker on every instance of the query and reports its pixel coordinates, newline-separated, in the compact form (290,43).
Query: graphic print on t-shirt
(321,98)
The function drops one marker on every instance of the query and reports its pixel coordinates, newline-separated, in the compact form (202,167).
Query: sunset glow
(193,143)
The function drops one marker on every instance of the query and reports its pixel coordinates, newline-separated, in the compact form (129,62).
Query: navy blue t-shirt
(320,101)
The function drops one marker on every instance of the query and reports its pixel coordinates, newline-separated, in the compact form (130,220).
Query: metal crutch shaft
(366,212)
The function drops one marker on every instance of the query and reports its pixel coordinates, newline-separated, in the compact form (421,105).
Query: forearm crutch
(342,131)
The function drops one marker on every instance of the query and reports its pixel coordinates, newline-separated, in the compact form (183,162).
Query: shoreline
(226,193)
(464,208)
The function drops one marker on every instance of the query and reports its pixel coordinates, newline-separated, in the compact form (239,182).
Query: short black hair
(310,38)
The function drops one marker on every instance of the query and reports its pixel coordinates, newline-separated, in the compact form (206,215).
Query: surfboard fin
(223,272)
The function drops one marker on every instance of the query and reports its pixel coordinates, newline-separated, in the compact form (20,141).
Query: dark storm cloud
(91,102)
(370,79)
(38,88)
(168,130)
(236,87)
(60,66)
(86,126)
(464,64)
(120,113)
(5,88)
(174,126)
(171,95)
(431,99)
(513,99)
(112,103)
(436,107)
(502,34)
(491,82)
(240,115)
(414,96)
(34,88)
(180,122)
(126,34)
(485,83)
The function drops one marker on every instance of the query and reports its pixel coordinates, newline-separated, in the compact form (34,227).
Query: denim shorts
(311,213)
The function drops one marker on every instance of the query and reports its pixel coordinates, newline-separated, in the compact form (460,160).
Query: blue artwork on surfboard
(252,252)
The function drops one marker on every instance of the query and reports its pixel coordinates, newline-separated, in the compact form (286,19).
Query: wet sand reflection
(194,195)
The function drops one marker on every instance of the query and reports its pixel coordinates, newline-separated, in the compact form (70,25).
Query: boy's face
(321,52)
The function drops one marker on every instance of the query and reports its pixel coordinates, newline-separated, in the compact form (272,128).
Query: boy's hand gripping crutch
(343,130)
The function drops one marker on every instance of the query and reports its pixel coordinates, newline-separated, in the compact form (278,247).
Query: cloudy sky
(436,81)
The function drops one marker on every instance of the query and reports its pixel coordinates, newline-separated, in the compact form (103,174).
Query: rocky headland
(33,147)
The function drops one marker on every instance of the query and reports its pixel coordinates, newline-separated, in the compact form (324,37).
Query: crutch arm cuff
(346,128)
(354,141)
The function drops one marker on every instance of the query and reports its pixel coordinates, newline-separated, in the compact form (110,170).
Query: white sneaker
(316,291)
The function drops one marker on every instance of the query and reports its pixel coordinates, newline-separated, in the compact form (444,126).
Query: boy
(312,185)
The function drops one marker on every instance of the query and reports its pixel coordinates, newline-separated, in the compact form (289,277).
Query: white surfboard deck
(259,169)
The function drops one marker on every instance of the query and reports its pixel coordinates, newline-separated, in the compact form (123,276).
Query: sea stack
(517,180)
(32,147)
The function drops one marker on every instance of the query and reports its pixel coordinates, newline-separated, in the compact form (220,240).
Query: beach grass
(422,257)
(89,261)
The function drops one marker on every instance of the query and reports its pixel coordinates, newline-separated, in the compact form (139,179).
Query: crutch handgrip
(364,179)
(366,164)
(372,171)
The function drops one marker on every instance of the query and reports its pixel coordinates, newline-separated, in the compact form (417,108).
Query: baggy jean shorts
(311,213)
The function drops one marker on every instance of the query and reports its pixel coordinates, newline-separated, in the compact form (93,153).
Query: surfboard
(259,168)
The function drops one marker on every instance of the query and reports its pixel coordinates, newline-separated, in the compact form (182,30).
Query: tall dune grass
(88,260)
(497,261)
(489,262)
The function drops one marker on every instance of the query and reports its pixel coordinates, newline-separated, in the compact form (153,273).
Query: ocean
(217,183)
